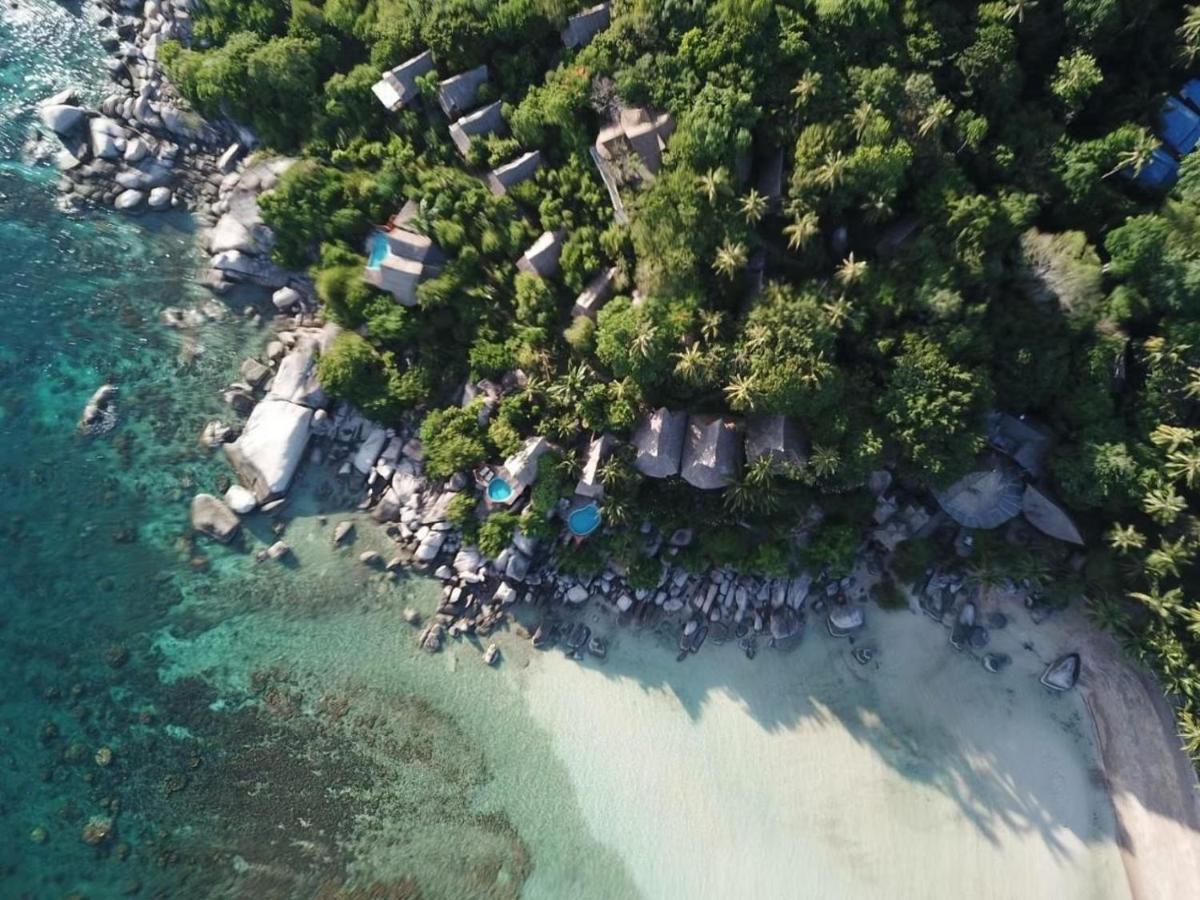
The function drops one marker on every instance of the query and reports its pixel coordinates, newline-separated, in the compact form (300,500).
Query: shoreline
(1147,834)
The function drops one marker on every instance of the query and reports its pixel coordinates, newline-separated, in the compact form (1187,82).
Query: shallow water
(275,732)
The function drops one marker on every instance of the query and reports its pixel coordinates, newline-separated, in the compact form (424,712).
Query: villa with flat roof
(398,259)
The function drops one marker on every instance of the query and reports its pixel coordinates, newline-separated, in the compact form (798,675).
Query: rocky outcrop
(212,517)
(271,447)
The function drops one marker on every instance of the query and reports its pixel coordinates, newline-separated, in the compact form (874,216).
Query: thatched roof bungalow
(598,292)
(777,437)
(712,452)
(542,258)
(503,178)
(457,94)
(398,87)
(583,27)
(484,121)
(658,441)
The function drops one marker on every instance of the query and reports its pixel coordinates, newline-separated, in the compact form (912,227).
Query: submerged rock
(491,655)
(996,662)
(99,414)
(211,516)
(342,531)
(845,619)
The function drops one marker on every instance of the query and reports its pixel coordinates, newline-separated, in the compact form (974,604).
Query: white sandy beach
(808,775)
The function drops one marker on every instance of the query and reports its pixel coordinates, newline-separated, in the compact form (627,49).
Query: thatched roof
(522,466)
(1025,440)
(659,443)
(777,437)
(983,499)
(398,87)
(1048,517)
(507,176)
(486,120)
(583,27)
(712,452)
(457,94)
(595,295)
(542,258)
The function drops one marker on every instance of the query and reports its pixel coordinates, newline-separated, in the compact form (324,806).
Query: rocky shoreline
(145,150)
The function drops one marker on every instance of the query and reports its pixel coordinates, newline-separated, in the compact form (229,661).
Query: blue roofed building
(1160,173)
(1179,126)
(1191,93)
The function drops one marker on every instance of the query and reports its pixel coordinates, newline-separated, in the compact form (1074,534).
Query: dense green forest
(958,232)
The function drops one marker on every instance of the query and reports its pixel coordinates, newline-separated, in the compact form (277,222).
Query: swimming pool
(499,490)
(378,249)
(584,520)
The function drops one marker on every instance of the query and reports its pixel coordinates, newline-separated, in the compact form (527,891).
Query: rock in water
(278,551)
(491,655)
(211,516)
(845,619)
(241,500)
(99,415)
(342,531)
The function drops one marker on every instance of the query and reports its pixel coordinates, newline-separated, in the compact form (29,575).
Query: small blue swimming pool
(378,247)
(499,490)
(584,520)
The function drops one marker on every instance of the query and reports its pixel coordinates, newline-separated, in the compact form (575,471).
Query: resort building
(583,27)
(542,258)
(598,292)
(519,472)
(589,480)
(398,87)
(658,441)
(458,94)
(501,179)
(1179,126)
(644,134)
(1022,439)
(397,260)
(1048,517)
(777,437)
(712,452)
(482,122)
(983,499)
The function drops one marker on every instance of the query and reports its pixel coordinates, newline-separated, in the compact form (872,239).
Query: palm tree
(1172,437)
(860,119)
(1163,504)
(710,324)
(802,230)
(731,256)
(936,116)
(1136,157)
(877,209)
(1189,732)
(1184,464)
(712,184)
(1189,33)
(689,363)
(741,392)
(755,491)
(1016,10)
(1107,612)
(1164,605)
(806,87)
(825,461)
(1166,559)
(837,312)
(643,339)
(754,206)
(757,337)
(1191,389)
(831,172)
(1125,539)
(851,271)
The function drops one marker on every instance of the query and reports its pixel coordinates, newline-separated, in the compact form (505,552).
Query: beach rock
(61,118)
(254,373)
(1063,673)
(996,662)
(278,551)
(212,517)
(241,500)
(505,594)
(216,432)
(342,531)
(296,379)
(370,558)
(271,447)
(517,567)
(104,134)
(429,547)
(228,160)
(160,198)
(491,655)
(238,265)
(845,619)
(128,200)
(431,638)
(135,151)
(285,298)
(231,235)
(576,594)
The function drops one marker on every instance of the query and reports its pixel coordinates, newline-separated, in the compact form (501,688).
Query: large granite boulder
(296,378)
(211,516)
(271,446)
(61,118)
